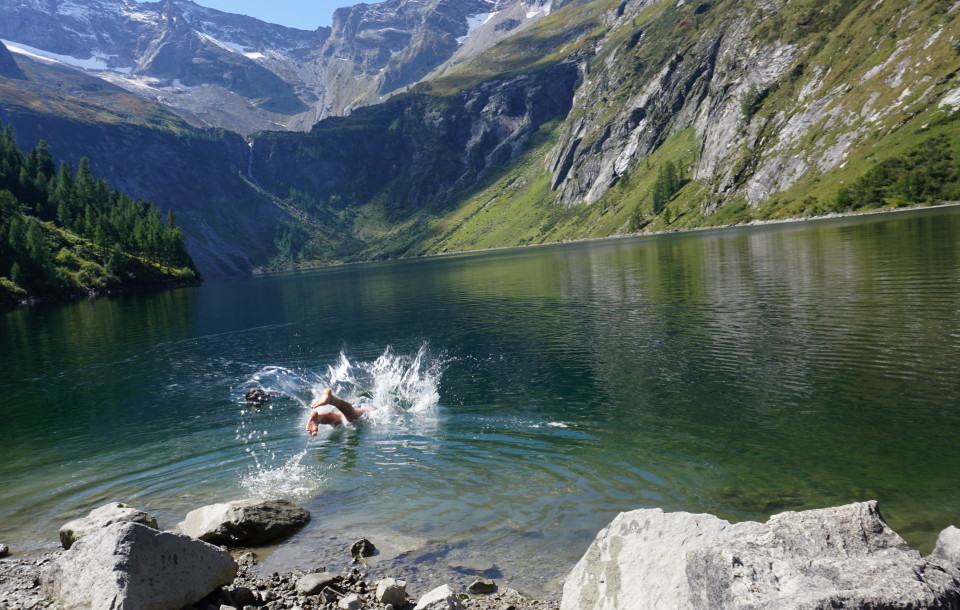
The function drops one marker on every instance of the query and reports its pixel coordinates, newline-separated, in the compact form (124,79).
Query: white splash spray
(405,388)
(394,381)
(292,479)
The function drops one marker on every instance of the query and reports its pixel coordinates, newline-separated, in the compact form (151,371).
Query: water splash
(280,381)
(406,388)
(292,479)
(397,382)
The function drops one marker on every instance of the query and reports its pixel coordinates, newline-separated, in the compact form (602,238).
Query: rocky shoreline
(838,557)
(20,589)
(96,293)
(116,543)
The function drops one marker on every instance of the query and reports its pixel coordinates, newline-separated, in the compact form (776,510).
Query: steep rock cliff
(776,92)
(416,147)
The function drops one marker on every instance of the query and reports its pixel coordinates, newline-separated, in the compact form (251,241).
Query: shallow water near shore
(527,396)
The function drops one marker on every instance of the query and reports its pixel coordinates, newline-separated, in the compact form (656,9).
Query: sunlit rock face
(841,557)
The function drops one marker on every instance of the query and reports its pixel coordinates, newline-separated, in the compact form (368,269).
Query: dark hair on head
(257,395)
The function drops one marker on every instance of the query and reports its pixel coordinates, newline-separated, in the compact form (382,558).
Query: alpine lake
(526,395)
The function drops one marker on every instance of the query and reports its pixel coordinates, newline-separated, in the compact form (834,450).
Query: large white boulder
(844,557)
(251,522)
(129,566)
(115,512)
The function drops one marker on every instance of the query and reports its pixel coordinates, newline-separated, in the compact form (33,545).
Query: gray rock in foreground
(129,566)
(251,522)
(314,583)
(392,591)
(441,598)
(844,557)
(98,518)
(948,547)
(482,586)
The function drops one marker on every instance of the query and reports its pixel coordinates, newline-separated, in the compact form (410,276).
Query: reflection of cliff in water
(795,357)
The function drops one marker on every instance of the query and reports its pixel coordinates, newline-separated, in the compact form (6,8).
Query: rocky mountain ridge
(724,85)
(223,70)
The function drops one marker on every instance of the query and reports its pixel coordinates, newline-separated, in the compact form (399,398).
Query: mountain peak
(234,71)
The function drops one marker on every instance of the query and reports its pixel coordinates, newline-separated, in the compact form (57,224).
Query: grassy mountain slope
(768,114)
(763,109)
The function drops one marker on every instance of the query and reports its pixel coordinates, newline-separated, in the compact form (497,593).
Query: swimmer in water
(259,395)
(346,410)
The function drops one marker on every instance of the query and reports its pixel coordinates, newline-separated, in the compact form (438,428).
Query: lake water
(529,395)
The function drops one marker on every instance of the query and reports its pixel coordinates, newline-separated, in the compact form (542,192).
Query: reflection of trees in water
(55,358)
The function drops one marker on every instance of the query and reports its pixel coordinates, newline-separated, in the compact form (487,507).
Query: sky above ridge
(301,14)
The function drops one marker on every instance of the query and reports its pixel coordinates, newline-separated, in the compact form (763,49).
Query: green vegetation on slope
(826,107)
(925,175)
(893,164)
(62,233)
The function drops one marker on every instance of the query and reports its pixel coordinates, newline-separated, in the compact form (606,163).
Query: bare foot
(312,423)
(324,399)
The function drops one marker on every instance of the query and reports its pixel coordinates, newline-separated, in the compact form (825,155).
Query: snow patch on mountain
(231,46)
(97,62)
(473,24)
(475,21)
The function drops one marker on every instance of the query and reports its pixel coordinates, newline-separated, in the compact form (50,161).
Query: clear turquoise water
(530,394)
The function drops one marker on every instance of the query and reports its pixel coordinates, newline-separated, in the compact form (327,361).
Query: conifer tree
(35,196)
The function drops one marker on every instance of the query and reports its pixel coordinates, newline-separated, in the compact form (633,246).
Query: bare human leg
(327,398)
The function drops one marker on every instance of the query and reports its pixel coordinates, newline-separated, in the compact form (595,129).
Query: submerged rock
(362,548)
(129,566)
(252,522)
(482,586)
(115,512)
(4,550)
(312,584)
(477,567)
(844,557)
